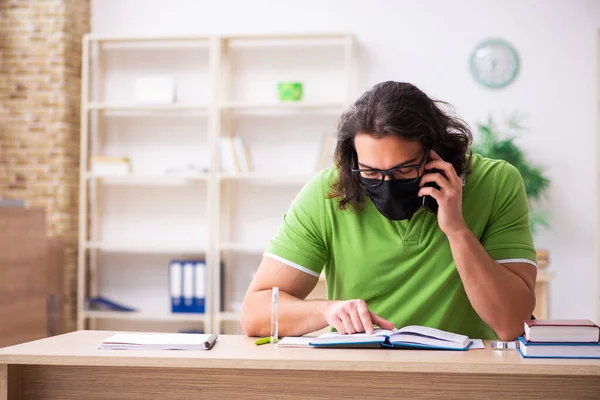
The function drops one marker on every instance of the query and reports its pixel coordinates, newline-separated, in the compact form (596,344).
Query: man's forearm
(500,297)
(295,316)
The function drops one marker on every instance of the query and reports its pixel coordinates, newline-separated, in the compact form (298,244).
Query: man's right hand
(353,316)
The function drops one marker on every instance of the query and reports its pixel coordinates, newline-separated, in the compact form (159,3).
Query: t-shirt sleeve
(507,236)
(299,240)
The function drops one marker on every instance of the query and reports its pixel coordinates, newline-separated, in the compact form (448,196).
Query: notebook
(150,341)
(560,330)
(558,350)
(419,337)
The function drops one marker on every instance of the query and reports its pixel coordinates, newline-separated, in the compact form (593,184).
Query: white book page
(295,341)
(432,332)
(331,337)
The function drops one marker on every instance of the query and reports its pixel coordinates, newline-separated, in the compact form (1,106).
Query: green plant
(499,143)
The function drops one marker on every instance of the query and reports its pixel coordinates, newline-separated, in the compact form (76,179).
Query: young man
(409,227)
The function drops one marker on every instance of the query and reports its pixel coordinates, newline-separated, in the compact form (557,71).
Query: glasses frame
(389,172)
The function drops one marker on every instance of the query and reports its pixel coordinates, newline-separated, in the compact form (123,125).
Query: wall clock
(494,63)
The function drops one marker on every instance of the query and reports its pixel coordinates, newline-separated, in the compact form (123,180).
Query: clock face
(494,63)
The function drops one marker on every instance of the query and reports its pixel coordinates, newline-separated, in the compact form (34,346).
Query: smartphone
(429,203)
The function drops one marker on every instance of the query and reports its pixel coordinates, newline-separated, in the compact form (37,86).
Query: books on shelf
(561,331)
(235,157)
(101,303)
(560,339)
(187,286)
(148,341)
(414,336)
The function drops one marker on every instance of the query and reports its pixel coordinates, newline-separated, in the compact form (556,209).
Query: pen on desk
(210,342)
(274,316)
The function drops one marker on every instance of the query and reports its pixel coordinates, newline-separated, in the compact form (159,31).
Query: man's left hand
(448,197)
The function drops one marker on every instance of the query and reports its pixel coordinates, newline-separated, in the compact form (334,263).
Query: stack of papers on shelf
(408,337)
(181,341)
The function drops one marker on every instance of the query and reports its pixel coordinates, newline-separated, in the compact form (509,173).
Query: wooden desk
(70,367)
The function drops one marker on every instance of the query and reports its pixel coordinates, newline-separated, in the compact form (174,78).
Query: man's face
(386,153)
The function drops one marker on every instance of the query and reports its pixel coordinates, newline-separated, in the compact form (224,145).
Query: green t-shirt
(404,270)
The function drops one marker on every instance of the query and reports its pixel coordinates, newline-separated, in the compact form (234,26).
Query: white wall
(428,43)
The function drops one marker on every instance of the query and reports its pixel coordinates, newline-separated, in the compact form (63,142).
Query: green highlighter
(264,340)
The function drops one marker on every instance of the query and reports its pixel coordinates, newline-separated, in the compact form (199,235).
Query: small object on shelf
(235,157)
(192,331)
(187,283)
(229,160)
(542,258)
(101,303)
(290,91)
(242,155)
(108,166)
(154,90)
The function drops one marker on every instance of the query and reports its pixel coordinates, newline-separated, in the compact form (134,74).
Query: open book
(408,337)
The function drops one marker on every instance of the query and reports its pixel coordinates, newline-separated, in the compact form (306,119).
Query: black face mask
(395,201)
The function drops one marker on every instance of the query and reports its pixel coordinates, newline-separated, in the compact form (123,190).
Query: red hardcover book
(562,331)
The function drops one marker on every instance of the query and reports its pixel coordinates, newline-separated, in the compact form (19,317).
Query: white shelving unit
(132,225)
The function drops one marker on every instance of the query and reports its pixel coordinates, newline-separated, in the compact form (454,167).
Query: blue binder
(187,286)
(176,286)
(200,286)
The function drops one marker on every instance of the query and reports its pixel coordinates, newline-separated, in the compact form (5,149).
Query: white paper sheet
(477,344)
(295,341)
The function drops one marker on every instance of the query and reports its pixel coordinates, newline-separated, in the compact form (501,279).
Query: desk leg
(11,382)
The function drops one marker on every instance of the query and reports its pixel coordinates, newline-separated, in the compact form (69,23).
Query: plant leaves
(496,144)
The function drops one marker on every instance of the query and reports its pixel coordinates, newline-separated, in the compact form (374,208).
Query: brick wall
(40,64)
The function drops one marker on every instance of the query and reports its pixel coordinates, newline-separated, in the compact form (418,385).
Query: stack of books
(560,339)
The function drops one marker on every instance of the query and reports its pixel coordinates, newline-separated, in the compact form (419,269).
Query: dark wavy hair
(403,110)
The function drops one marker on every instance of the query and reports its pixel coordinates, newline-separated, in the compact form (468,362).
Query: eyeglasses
(403,174)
